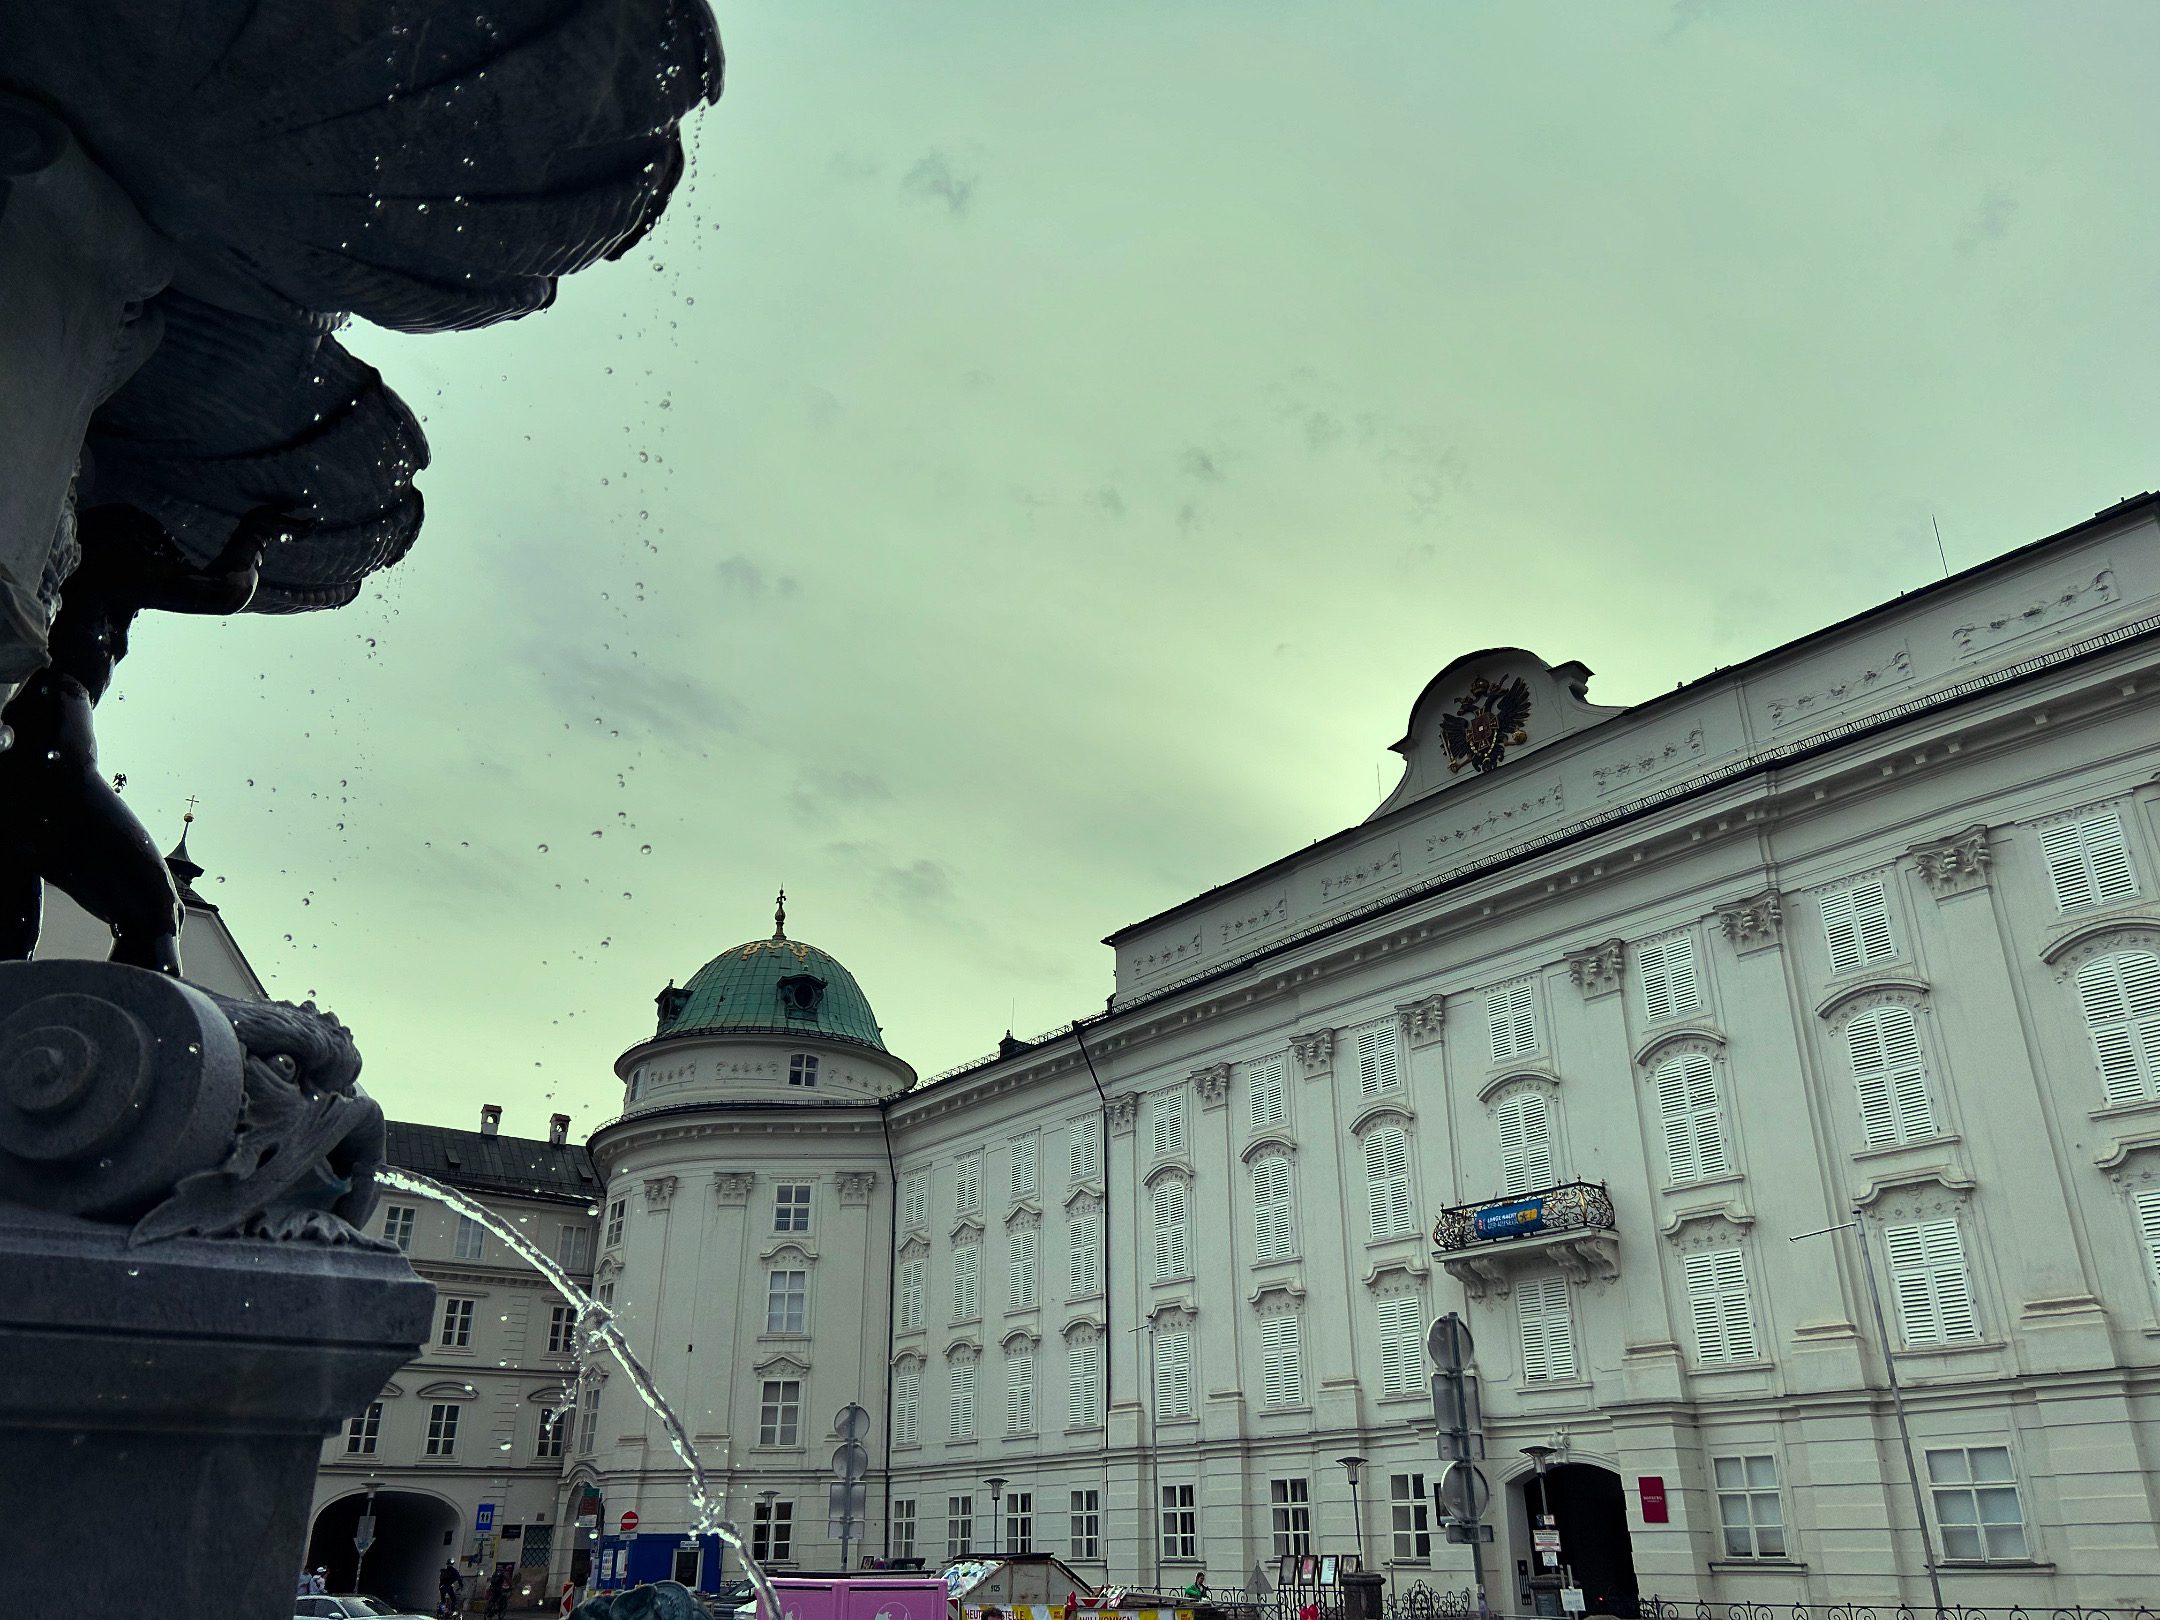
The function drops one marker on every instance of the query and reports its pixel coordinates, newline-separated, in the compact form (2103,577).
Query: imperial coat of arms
(1486,723)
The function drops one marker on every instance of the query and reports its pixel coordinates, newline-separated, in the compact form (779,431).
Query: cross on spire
(191,803)
(779,916)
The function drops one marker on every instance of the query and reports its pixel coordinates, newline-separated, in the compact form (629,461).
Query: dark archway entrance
(1588,1506)
(414,1533)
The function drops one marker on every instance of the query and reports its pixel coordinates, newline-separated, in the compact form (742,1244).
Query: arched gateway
(414,1532)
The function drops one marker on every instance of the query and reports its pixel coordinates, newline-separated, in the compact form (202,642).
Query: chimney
(558,1129)
(490,1118)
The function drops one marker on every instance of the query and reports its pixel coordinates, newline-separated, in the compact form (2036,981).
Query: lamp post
(1351,1465)
(1858,1228)
(996,1482)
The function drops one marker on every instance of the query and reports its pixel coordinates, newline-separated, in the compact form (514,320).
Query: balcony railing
(1572,1206)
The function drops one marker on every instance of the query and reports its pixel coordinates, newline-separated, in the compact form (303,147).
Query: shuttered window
(1264,1092)
(1930,1282)
(1890,1077)
(1282,1373)
(1083,1163)
(2120,995)
(1083,1385)
(966,1272)
(1021,1175)
(1687,1099)
(1173,1373)
(1548,1337)
(1856,921)
(915,1200)
(1387,1180)
(907,1405)
(1666,969)
(1168,1117)
(1170,1230)
(968,1181)
(1271,1207)
(1379,1062)
(1084,1249)
(1511,1021)
(960,1423)
(912,1274)
(2088,862)
(1020,1270)
(1526,1159)
(2145,1212)
(1402,1345)
(1020,1392)
(1718,1304)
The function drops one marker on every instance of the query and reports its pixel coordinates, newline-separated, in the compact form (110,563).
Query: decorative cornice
(1753,924)
(1212,1084)
(1411,1266)
(1875,984)
(856,1186)
(779,1361)
(807,1252)
(1314,1050)
(1277,1294)
(1943,1175)
(1694,1030)
(1024,1218)
(1124,1112)
(914,1247)
(967,1229)
(1082,1330)
(1267,1142)
(659,1192)
(455,1389)
(963,1350)
(732,1186)
(1175,1312)
(1521,1075)
(1598,970)
(1181,1168)
(1957,864)
(1732,1213)
(1423,1019)
(2126,1147)
(2089,929)
(1019,1335)
(1087,1195)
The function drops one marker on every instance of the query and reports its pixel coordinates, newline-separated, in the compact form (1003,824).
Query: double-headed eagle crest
(1486,723)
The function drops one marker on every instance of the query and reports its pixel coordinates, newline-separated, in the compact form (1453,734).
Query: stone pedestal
(163,1408)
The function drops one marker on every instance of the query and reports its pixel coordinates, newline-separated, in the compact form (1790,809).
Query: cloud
(935,178)
(1685,14)
(821,789)
(918,886)
(1990,222)
(627,693)
(742,577)
(1197,463)
(1108,502)
(855,166)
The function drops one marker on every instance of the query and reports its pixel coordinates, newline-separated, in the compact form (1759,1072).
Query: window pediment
(393,1388)
(914,1247)
(1921,1189)
(1705,1224)
(782,1365)
(1272,1142)
(608,1270)
(1274,1298)
(1172,1313)
(1019,1338)
(1383,1108)
(2101,936)
(1696,1034)
(1397,1273)
(963,1350)
(550,1395)
(449,1390)
(1180,1168)
(1506,1082)
(790,1252)
(910,1357)
(1082,1330)
(1872,991)
(968,1229)
(1024,1217)
(1084,1197)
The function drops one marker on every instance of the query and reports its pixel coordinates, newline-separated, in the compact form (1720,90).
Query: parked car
(737,1597)
(349,1607)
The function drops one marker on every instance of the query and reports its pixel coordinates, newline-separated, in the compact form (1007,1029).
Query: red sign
(629,1521)
(1652,1487)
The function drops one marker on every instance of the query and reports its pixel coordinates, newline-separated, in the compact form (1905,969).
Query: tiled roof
(771,987)
(494,1164)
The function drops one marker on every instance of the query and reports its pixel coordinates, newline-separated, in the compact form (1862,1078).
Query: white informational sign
(1571,1599)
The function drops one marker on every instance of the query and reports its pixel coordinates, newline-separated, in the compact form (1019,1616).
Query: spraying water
(596,1327)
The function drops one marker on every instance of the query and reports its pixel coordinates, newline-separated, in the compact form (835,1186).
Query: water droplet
(543,849)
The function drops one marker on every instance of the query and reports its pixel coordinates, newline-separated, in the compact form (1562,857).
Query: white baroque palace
(1865,929)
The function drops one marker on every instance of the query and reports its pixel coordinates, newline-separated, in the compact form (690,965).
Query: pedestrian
(447,1586)
(319,1582)
(498,1595)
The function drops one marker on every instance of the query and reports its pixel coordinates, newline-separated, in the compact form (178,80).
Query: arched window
(1526,1157)
(1170,1229)
(1387,1180)
(2120,995)
(1271,1206)
(1687,1098)
(1890,1076)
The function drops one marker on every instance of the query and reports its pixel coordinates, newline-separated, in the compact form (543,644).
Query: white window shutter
(1020,1270)
(2108,857)
(1890,1076)
(1020,1393)
(1022,1176)
(1656,992)
(1932,1287)
(1080,1397)
(1169,1229)
(907,1399)
(1080,1150)
(1173,1373)
(1511,1021)
(1271,1207)
(2064,852)
(1264,1087)
(1719,1306)
(1402,1344)
(2145,1212)
(1387,1180)
(1169,1122)
(1548,1340)
(1840,928)
(1282,1377)
(967,1262)
(2088,861)
(1526,1161)
(1378,1068)
(2120,997)
(1871,922)
(961,1419)
(911,1293)
(1085,1242)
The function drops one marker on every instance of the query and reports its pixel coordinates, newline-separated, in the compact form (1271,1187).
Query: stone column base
(163,1408)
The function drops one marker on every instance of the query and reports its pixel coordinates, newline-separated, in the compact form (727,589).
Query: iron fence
(1572,1206)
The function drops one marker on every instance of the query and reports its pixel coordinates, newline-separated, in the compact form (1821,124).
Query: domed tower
(744,1240)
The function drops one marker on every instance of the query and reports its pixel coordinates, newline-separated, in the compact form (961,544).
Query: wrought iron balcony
(1570,1225)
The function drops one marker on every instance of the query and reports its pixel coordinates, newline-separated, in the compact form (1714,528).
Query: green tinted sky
(1044,449)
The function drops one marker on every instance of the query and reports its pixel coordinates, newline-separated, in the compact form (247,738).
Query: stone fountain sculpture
(195,196)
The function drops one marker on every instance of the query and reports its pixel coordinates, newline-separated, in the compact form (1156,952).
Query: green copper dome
(776,986)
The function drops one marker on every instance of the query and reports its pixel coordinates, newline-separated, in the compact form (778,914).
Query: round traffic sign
(1463,1491)
(629,1522)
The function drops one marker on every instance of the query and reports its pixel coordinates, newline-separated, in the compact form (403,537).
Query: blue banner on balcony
(1511,1220)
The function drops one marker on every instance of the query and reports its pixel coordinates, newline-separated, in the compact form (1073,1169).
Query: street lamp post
(1858,1228)
(996,1482)
(1351,1466)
